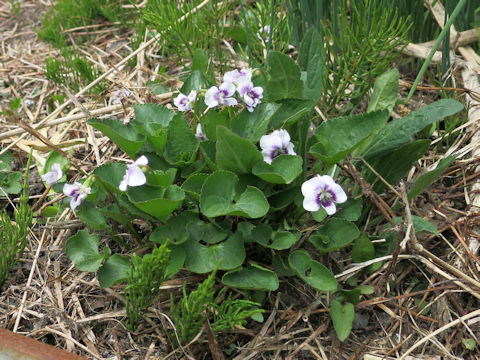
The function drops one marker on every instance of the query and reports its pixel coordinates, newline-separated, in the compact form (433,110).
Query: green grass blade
(442,35)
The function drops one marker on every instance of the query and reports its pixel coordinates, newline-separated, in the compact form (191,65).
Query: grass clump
(146,275)
(13,235)
(200,305)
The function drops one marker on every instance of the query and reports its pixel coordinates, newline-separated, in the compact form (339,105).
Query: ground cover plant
(275,183)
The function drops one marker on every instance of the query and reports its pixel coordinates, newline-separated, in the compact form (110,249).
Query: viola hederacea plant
(239,173)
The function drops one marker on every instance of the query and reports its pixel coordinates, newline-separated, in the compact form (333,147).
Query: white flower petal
(310,204)
(230,101)
(328,180)
(123,183)
(331,208)
(267,157)
(340,196)
(135,177)
(284,137)
(70,190)
(228,87)
(142,160)
(57,169)
(290,150)
(211,97)
(270,142)
(311,187)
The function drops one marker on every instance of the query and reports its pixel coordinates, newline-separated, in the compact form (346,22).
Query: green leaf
(161,178)
(469,344)
(313,78)
(351,210)
(124,136)
(342,318)
(114,270)
(283,78)
(309,47)
(251,277)
(385,92)
(312,272)
(363,249)
(195,81)
(205,258)
(283,170)
(182,145)
(222,195)
(290,112)
(111,174)
(193,185)
(6,161)
(395,165)
(91,216)
(212,120)
(152,120)
(235,153)
(402,131)
(174,231)
(334,234)
(425,180)
(156,88)
(114,212)
(420,225)
(253,125)
(339,137)
(265,236)
(156,201)
(207,232)
(11,183)
(82,250)
(177,259)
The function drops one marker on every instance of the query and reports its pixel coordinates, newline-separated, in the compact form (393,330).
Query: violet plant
(236,174)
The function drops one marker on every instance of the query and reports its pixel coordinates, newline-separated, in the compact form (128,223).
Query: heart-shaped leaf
(114,270)
(283,170)
(342,318)
(156,201)
(222,194)
(82,250)
(251,277)
(235,153)
(253,125)
(111,175)
(202,258)
(124,136)
(339,137)
(312,272)
(334,234)
(182,145)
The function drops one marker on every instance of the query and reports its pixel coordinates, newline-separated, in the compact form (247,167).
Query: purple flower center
(325,197)
(278,151)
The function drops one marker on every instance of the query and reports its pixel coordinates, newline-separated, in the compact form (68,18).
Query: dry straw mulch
(47,299)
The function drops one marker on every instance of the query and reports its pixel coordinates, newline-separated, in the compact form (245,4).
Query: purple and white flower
(184,102)
(199,133)
(277,143)
(53,175)
(251,95)
(221,95)
(264,33)
(236,77)
(134,175)
(322,192)
(120,95)
(77,192)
